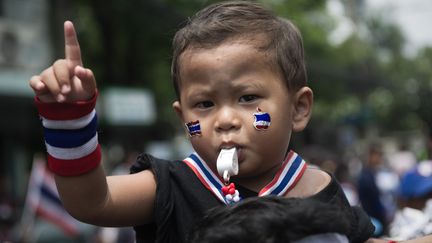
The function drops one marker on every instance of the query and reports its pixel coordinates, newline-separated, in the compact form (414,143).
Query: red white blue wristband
(71,139)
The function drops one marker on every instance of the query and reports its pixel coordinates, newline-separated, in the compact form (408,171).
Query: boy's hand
(66,80)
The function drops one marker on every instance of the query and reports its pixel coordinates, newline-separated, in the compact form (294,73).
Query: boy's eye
(204,104)
(248,98)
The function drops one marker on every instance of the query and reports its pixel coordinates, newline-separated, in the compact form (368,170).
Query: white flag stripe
(291,181)
(209,170)
(69,124)
(73,153)
(49,182)
(212,187)
(281,177)
(209,183)
(56,211)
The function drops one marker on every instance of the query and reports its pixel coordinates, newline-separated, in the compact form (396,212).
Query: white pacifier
(227,163)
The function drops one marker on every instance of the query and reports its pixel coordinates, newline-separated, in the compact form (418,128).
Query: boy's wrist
(71,139)
(75,167)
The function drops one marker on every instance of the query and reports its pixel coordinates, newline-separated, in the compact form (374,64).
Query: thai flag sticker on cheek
(194,128)
(262,120)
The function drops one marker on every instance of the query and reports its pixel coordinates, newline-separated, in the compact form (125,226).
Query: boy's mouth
(228,146)
(240,154)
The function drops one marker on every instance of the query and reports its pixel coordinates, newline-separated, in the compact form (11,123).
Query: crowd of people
(394,187)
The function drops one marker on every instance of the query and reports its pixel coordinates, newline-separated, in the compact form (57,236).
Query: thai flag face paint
(262,120)
(193,128)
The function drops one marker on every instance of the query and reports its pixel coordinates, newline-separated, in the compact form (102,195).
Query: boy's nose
(227,119)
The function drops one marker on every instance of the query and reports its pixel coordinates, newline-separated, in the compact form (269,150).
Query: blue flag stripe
(207,174)
(288,176)
(48,194)
(75,138)
(262,117)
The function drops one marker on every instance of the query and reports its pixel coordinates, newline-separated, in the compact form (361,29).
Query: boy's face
(222,87)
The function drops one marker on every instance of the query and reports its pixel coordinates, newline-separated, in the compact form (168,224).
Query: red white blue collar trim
(206,175)
(285,179)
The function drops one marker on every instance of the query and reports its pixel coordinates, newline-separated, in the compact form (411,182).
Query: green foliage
(366,80)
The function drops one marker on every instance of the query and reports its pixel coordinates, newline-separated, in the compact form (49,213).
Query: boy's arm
(124,200)
(66,95)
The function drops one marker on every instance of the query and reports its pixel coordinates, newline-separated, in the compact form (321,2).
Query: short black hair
(269,219)
(234,20)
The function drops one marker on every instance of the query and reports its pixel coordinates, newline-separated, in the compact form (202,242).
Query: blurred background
(369,64)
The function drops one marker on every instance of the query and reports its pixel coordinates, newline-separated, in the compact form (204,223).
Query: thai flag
(43,200)
(262,120)
(193,128)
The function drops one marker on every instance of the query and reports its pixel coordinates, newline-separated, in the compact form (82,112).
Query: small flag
(44,201)
(262,120)
(193,128)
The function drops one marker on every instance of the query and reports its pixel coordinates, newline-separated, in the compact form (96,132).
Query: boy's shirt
(181,200)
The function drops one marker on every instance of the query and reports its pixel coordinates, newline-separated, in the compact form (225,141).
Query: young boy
(240,79)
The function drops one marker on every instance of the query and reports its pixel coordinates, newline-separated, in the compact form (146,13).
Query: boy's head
(273,219)
(245,21)
(238,68)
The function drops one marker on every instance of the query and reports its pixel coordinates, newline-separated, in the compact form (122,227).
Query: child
(239,74)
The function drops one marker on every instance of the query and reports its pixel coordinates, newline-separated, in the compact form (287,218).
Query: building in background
(24,50)
(27,47)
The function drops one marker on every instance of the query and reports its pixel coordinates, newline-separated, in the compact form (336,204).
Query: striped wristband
(71,140)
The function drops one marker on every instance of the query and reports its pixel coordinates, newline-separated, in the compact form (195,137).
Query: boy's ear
(303,102)
(178,110)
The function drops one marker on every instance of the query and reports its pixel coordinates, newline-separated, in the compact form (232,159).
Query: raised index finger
(72,48)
